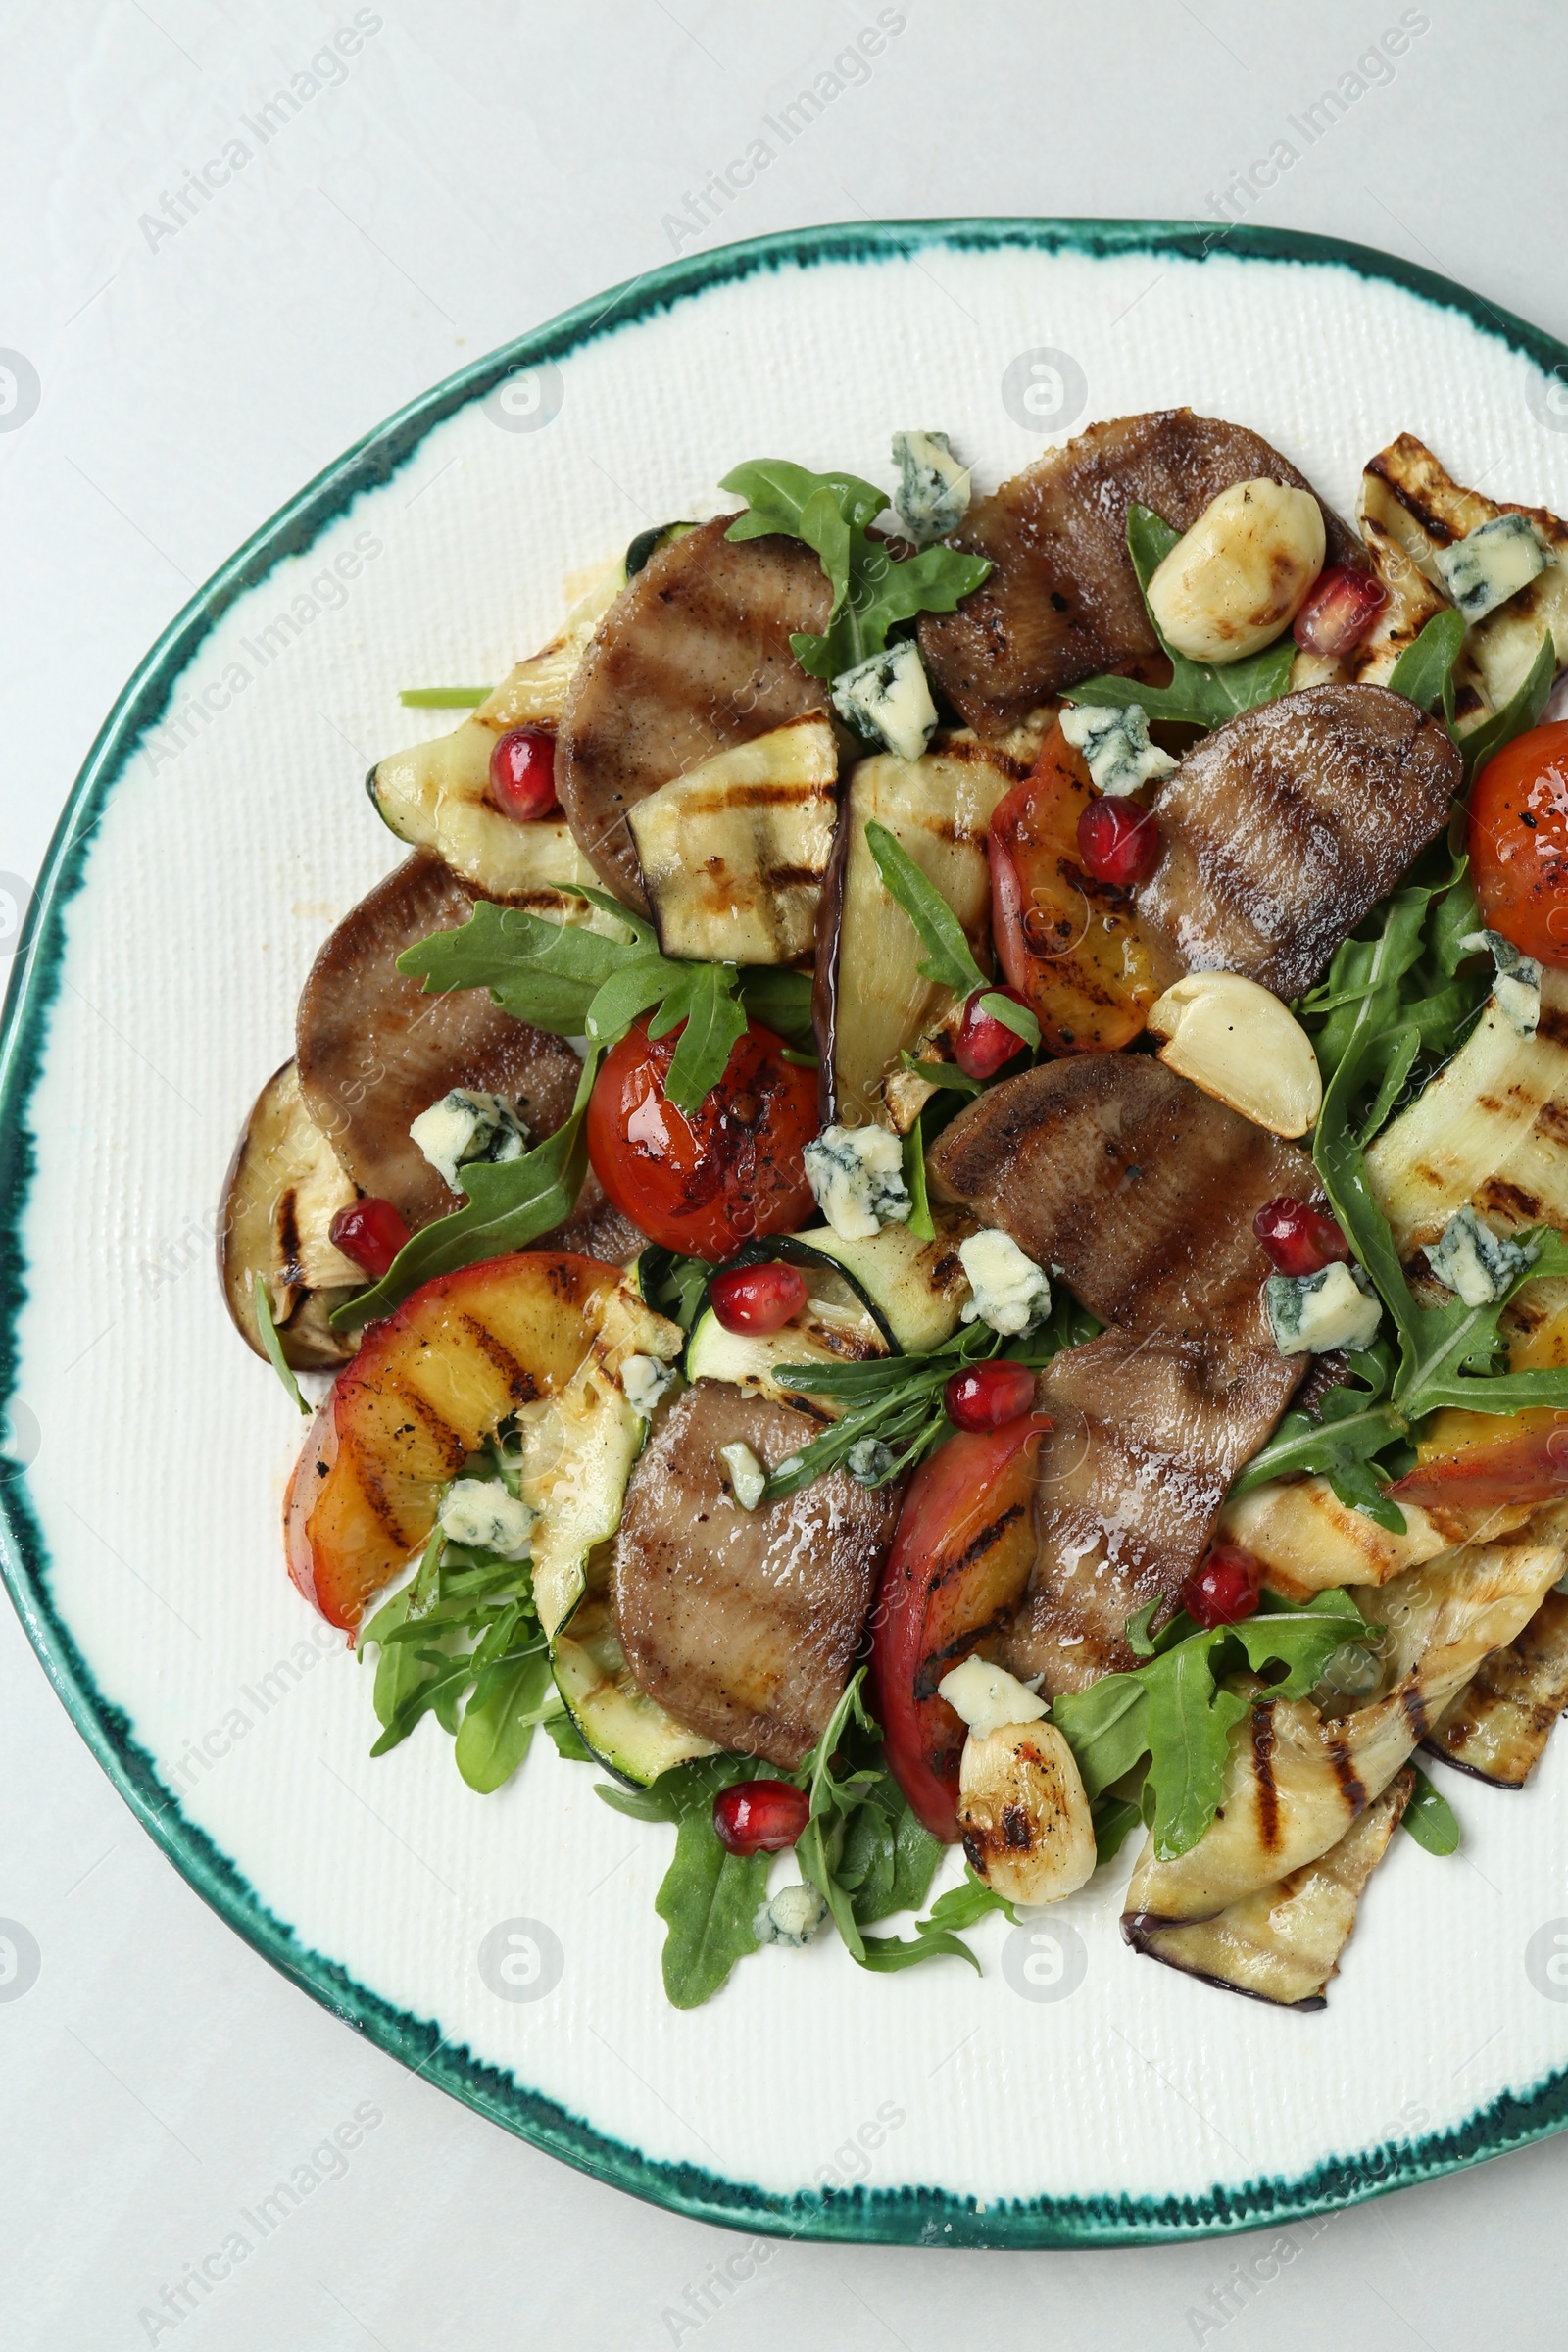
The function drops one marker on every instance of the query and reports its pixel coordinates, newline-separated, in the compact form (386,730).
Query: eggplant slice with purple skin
(1497,1726)
(1063,601)
(1283,1943)
(283,1188)
(743,1625)
(692,658)
(375,1051)
(1140,1192)
(1284,827)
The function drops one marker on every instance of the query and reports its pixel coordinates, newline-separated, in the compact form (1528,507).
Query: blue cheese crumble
(643,1381)
(482,1514)
(1310,1314)
(1490,564)
(886,700)
(1473,1260)
(1516,989)
(1010,1292)
(868,1461)
(857,1178)
(748,1480)
(933,493)
(792,1918)
(465,1126)
(1116,745)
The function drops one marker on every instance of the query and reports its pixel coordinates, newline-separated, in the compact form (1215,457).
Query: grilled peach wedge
(426,1389)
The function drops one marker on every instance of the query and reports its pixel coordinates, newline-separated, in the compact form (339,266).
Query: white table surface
(479,168)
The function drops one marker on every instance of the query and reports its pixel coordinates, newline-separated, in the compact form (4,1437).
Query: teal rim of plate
(908,2216)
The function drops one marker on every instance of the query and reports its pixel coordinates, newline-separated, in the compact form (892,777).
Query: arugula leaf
(674,1285)
(444,697)
(1430,1818)
(1425,673)
(1200,694)
(274,1346)
(948,960)
(781,1001)
(965,1905)
(915,1184)
(1012,1016)
(871,592)
(511,1204)
(702,997)
(500,1719)
(1113,1817)
(1518,715)
(709,1896)
(1179,1709)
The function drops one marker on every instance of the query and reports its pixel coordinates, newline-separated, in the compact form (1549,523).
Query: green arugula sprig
(1198,693)
(949,961)
(1430,1818)
(271,1345)
(872,593)
(897,1399)
(1174,1715)
(1425,671)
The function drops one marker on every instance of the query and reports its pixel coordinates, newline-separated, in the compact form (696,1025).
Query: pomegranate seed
(1300,1237)
(1340,611)
(757,1297)
(522,773)
(1223,1588)
(1119,841)
(983,1042)
(986,1395)
(371,1232)
(760,1817)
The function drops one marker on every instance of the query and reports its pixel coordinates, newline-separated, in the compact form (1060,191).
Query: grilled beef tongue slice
(1140,1192)
(1063,601)
(692,658)
(375,1051)
(743,1623)
(1280,830)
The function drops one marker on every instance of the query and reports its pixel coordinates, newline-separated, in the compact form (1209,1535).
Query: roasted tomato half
(705,1180)
(1069,944)
(1518,842)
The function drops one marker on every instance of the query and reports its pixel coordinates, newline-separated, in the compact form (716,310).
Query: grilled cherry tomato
(1518,842)
(703,1180)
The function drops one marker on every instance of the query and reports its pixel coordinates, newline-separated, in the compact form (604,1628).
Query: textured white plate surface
(1071,2091)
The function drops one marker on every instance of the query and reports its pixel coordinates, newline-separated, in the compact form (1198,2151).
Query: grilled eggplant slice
(374,1051)
(833,1327)
(1307,1540)
(1294,1783)
(733,853)
(1061,600)
(1490,1129)
(692,658)
(1283,1943)
(1499,1725)
(743,1623)
(436,795)
(938,808)
(916,1289)
(283,1189)
(1142,1192)
(1280,830)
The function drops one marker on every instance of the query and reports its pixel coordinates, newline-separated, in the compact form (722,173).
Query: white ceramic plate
(1073,2093)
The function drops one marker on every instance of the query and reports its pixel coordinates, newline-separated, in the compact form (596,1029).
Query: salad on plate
(933,1210)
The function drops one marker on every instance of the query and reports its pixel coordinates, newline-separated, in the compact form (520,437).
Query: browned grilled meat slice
(692,658)
(1280,830)
(743,1623)
(374,1051)
(1063,600)
(1142,1192)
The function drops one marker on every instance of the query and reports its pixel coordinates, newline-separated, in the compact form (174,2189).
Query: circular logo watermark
(1045,390)
(16,901)
(1548,399)
(1546,1960)
(19,1960)
(521,1960)
(1044,1960)
(528,399)
(19,1440)
(20,390)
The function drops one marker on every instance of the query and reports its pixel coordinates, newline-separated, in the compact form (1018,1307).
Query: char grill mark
(1142,1191)
(1282,829)
(1062,599)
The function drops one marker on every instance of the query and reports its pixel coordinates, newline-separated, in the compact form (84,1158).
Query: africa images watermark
(850,69)
(328,69)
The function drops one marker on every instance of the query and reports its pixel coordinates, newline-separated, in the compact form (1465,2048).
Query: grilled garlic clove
(1023,1813)
(1241,574)
(1241,1045)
